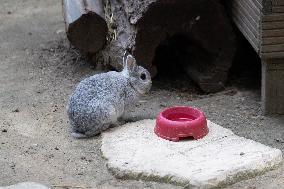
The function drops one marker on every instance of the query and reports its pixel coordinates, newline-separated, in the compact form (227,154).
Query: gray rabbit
(98,101)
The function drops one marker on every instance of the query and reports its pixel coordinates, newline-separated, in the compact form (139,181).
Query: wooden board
(272,86)
(272,30)
(247,16)
(262,23)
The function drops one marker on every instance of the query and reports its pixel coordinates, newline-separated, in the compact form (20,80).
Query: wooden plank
(255,43)
(272,55)
(272,88)
(273,33)
(273,40)
(253,6)
(267,7)
(244,16)
(273,17)
(277,2)
(273,25)
(252,11)
(241,24)
(249,7)
(278,9)
(272,48)
(257,3)
(241,12)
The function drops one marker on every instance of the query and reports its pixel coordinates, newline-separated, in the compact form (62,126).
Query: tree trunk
(206,42)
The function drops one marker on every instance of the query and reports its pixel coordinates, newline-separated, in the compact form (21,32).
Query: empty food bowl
(176,123)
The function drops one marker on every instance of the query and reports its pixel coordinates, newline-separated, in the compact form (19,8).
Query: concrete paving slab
(219,159)
(26,185)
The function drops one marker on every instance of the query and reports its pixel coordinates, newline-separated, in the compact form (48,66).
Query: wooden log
(85,23)
(143,26)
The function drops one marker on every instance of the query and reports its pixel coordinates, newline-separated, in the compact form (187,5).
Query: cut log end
(88,33)
(86,27)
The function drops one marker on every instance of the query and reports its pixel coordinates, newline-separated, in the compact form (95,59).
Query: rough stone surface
(220,158)
(26,185)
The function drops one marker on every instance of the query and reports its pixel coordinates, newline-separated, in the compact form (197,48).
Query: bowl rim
(201,114)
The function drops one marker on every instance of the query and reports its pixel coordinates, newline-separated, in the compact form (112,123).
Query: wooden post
(273,86)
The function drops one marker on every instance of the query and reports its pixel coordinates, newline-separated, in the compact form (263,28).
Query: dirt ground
(38,71)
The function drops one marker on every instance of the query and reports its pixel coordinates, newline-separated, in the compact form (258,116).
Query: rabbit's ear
(130,64)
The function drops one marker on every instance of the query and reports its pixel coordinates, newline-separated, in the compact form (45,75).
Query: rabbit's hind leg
(89,133)
(96,130)
(75,131)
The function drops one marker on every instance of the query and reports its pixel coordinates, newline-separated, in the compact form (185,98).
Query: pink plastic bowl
(179,122)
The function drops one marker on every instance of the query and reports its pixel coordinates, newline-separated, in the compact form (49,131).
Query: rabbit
(98,101)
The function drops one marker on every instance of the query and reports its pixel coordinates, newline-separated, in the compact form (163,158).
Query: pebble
(4,130)
(16,110)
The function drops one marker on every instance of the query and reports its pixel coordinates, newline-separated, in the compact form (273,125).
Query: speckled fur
(98,101)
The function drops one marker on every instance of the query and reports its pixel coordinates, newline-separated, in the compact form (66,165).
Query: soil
(38,71)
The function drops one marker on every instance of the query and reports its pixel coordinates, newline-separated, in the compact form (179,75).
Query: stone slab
(220,158)
(26,185)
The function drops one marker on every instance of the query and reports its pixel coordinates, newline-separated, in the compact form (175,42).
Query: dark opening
(173,56)
(245,72)
(176,52)
(168,56)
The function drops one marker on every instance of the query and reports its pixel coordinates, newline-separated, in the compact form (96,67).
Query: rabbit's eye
(143,76)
